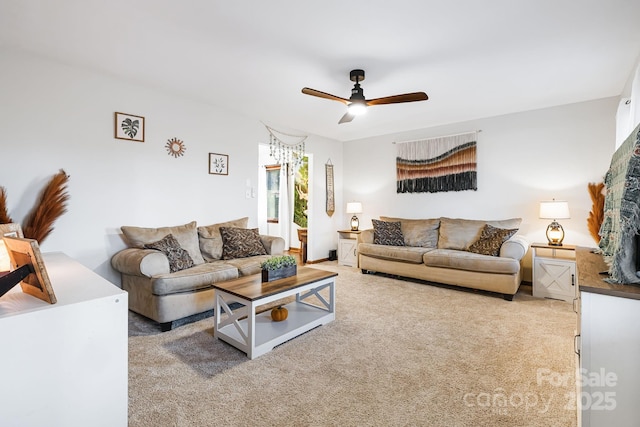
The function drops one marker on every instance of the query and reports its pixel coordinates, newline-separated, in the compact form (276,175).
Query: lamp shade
(354,207)
(554,209)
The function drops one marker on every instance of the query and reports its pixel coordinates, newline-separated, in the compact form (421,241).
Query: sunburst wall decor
(175,147)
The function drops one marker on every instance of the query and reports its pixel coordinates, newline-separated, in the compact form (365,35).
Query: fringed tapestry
(622,211)
(331,201)
(434,165)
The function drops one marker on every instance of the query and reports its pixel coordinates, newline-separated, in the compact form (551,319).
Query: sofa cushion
(250,265)
(387,233)
(197,277)
(241,243)
(461,233)
(179,259)
(211,240)
(186,235)
(491,240)
(412,254)
(462,260)
(418,232)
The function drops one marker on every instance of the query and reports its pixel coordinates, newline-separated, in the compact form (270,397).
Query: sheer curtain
(286,205)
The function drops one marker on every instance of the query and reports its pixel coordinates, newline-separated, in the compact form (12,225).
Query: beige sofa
(174,291)
(450,251)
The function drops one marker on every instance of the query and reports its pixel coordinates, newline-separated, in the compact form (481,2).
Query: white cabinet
(65,364)
(609,368)
(554,272)
(348,248)
(609,346)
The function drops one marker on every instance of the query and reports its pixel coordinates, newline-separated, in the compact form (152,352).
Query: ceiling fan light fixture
(357,108)
(357,104)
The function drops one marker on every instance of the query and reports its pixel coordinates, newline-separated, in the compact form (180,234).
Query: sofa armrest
(273,244)
(140,262)
(366,236)
(516,248)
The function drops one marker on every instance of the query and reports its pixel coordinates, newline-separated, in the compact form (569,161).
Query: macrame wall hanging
(446,163)
(331,202)
(286,148)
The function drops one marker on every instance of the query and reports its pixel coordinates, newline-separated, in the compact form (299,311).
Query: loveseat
(169,272)
(484,255)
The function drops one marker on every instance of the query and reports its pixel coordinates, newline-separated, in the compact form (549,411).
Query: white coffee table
(256,334)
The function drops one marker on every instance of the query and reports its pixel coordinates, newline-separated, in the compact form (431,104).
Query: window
(273,193)
(301,194)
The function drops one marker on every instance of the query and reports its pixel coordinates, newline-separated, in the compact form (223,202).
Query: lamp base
(355,223)
(555,234)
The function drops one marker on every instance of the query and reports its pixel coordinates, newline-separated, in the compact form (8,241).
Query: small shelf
(268,334)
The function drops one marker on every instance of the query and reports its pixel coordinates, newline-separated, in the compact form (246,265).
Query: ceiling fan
(357,104)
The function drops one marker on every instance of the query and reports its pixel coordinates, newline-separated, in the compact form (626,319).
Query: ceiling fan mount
(357,103)
(356,75)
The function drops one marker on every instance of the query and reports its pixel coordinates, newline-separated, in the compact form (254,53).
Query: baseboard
(317,261)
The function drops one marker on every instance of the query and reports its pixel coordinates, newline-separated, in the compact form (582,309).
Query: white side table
(554,271)
(348,247)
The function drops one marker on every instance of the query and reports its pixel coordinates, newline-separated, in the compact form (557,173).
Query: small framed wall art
(175,147)
(129,127)
(218,164)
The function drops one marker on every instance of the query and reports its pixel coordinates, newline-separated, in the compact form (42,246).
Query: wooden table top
(590,265)
(252,288)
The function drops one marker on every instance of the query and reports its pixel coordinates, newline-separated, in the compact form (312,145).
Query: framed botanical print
(218,164)
(129,127)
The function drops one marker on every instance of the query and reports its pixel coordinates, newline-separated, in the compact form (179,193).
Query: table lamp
(554,210)
(354,208)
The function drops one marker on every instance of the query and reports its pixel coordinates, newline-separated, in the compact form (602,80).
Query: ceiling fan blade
(346,118)
(313,92)
(397,99)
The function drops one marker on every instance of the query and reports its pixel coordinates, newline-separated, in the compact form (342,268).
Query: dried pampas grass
(4,213)
(52,204)
(596,215)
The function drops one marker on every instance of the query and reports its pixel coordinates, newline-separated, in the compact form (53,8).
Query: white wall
(55,116)
(628,114)
(323,228)
(515,171)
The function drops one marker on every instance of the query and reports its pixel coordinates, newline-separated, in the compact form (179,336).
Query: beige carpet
(398,354)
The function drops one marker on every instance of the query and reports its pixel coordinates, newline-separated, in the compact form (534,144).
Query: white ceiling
(473,58)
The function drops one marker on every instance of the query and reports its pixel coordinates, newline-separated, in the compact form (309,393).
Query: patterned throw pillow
(491,239)
(211,239)
(241,243)
(387,233)
(179,259)
(186,235)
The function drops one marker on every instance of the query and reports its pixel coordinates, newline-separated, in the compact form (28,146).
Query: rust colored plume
(596,215)
(52,204)
(4,213)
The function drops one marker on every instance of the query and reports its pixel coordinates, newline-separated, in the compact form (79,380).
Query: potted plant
(278,267)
